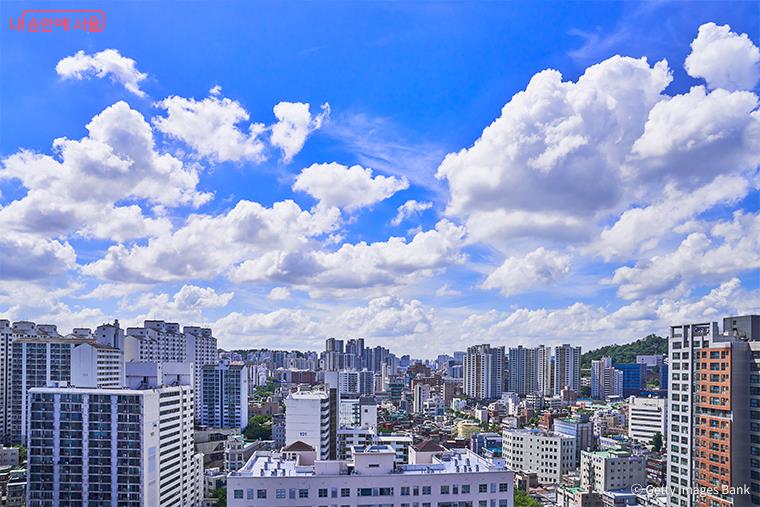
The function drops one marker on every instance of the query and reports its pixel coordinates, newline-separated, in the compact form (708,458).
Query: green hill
(627,353)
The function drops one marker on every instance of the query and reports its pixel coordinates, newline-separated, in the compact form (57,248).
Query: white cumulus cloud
(107,63)
(724,58)
(294,124)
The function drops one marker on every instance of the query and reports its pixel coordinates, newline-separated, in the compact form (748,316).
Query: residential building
(41,359)
(611,470)
(523,377)
(711,415)
(131,447)
(549,455)
(225,395)
(567,368)
(606,381)
(646,417)
(370,478)
(310,417)
(484,372)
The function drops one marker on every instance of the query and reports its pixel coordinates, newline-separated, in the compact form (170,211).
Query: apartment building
(370,477)
(41,359)
(131,447)
(311,417)
(710,414)
(224,395)
(523,370)
(611,470)
(549,455)
(484,372)
(606,381)
(567,368)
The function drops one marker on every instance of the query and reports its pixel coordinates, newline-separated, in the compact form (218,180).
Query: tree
(523,499)
(221,497)
(21,453)
(259,428)
(657,441)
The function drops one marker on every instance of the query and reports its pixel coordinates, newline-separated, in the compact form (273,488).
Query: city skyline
(440,184)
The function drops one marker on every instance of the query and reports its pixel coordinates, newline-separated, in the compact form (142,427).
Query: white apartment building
(131,447)
(38,361)
(547,454)
(162,341)
(646,417)
(224,398)
(447,478)
(421,394)
(611,470)
(358,412)
(523,371)
(567,368)
(308,419)
(606,381)
(483,372)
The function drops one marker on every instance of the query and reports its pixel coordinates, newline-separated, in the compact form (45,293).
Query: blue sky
(405,172)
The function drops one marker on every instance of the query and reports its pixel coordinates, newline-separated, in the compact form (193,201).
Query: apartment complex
(606,381)
(549,455)
(431,478)
(483,370)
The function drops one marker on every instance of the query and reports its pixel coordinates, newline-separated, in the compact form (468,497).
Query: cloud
(208,245)
(408,209)
(345,187)
(638,230)
(106,63)
(279,293)
(729,248)
(294,124)
(691,138)
(387,316)
(26,258)
(724,58)
(362,265)
(535,270)
(88,189)
(445,291)
(211,127)
(269,329)
(553,158)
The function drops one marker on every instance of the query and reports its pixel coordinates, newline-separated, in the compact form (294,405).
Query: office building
(580,428)
(370,477)
(611,470)
(225,395)
(634,378)
(484,372)
(646,417)
(549,455)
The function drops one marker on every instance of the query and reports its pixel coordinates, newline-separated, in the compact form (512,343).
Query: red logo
(48,20)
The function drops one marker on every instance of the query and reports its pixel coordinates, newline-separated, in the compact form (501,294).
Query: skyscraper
(605,379)
(225,396)
(523,371)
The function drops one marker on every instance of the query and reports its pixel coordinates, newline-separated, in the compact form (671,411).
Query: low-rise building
(370,477)
(550,455)
(612,470)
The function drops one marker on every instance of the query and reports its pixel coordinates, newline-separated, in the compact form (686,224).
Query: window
(238,493)
(322,493)
(404,490)
(483,488)
(279,493)
(426,490)
(364,492)
(386,491)
(444,490)
(465,489)
(503,487)
(261,493)
(303,493)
